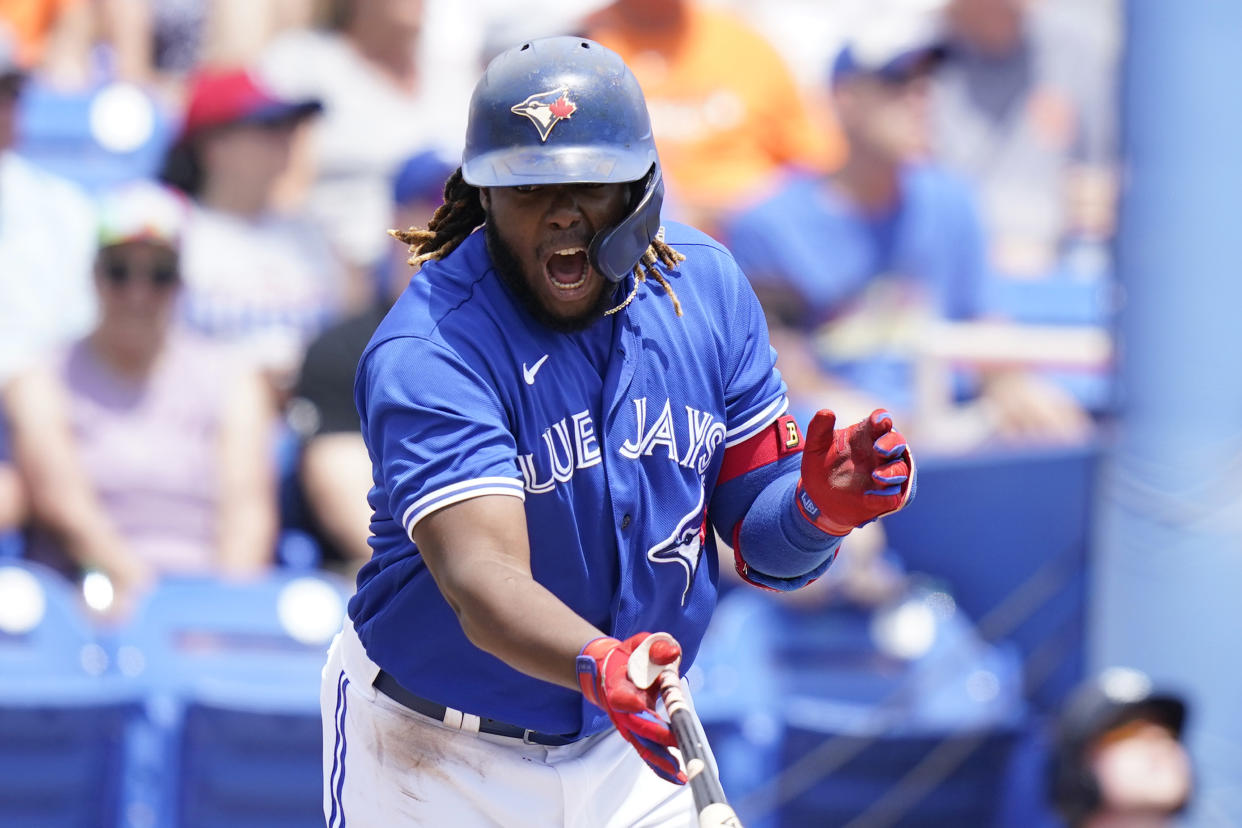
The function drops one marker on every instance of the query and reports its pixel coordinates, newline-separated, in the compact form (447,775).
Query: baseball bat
(709,796)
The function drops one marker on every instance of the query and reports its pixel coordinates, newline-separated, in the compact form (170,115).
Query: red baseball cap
(223,97)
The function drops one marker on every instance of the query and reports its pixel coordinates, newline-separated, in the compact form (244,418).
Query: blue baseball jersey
(613,436)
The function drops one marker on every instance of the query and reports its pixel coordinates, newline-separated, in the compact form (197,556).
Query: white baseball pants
(385,766)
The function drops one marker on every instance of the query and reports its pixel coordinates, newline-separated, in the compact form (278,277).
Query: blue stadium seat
(206,636)
(736,690)
(65,722)
(1010,530)
(59,131)
(867,785)
(1062,297)
(232,671)
(249,769)
(44,631)
(1025,801)
(773,668)
(63,763)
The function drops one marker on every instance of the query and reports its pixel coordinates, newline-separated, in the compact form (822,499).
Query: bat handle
(709,795)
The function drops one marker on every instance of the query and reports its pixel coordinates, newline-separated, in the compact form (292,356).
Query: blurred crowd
(921,191)
(194,199)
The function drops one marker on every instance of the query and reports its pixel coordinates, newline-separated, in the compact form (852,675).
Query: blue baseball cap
(421,177)
(897,69)
(895,46)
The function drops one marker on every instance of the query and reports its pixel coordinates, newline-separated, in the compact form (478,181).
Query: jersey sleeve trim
(457,492)
(743,432)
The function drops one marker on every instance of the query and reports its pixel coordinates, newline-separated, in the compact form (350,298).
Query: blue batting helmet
(566,110)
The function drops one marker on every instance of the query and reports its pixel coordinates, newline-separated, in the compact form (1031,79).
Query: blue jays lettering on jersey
(613,437)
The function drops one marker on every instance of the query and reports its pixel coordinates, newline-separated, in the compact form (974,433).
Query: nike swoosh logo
(529,373)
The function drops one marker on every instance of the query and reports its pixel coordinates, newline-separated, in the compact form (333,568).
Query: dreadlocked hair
(658,251)
(462,212)
(449,226)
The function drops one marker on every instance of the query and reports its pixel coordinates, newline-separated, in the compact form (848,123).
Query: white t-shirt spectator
(266,285)
(47,250)
(369,125)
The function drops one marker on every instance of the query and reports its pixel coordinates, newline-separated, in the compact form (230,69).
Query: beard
(510,270)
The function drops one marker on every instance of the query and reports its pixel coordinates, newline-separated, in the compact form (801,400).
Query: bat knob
(664,651)
(657,653)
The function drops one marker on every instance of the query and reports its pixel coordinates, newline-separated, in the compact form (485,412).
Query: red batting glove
(853,475)
(603,676)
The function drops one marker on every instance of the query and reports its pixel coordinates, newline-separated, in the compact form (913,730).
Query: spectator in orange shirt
(725,109)
(53,36)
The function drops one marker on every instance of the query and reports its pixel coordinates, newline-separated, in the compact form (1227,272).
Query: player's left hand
(604,677)
(853,475)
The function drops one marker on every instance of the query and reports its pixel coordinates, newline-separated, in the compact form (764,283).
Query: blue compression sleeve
(781,548)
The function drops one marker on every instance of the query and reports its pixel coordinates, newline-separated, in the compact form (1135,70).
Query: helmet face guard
(612,251)
(566,110)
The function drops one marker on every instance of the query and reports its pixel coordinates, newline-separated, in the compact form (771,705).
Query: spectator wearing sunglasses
(143,447)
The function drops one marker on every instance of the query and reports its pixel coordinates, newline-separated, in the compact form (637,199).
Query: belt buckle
(526,737)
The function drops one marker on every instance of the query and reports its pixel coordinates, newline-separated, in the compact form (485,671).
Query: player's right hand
(604,677)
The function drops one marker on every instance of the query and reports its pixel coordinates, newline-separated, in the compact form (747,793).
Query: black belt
(389,686)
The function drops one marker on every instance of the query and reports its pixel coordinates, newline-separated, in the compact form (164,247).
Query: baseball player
(555,409)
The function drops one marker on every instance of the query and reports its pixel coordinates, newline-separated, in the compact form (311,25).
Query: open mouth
(567,269)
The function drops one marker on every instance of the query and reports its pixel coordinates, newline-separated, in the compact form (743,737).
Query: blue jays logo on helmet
(591,126)
(546,109)
(685,545)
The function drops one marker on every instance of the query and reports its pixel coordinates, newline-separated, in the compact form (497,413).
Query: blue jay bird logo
(546,109)
(685,545)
